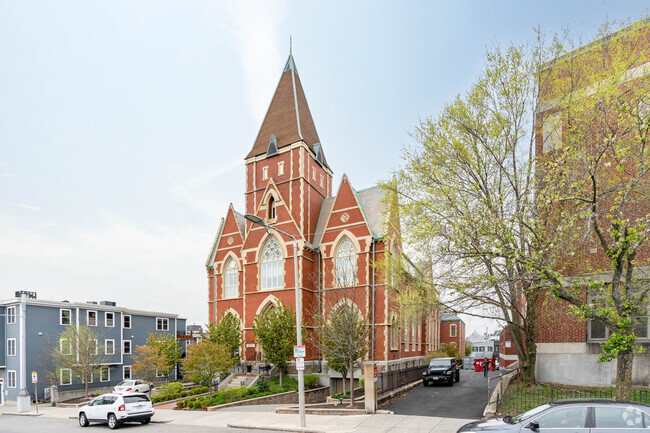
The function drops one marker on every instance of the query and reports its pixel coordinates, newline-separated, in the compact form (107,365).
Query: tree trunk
(345,377)
(624,361)
(280,376)
(351,383)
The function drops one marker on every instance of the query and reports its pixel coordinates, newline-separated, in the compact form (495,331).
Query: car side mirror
(507,419)
(533,425)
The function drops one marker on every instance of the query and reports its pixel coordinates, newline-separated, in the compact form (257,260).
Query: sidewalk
(265,418)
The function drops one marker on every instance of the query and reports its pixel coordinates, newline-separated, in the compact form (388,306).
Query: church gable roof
(371,203)
(288,117)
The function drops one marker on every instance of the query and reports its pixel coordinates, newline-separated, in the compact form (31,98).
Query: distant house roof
(450,318)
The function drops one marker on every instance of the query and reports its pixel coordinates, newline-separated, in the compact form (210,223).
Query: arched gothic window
(230,279)
(346,260)
(272,265)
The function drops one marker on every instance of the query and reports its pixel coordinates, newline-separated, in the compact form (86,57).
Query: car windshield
(439,363)
(524,416)
(125,383)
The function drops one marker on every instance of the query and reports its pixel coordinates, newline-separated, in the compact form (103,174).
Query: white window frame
(69,346)
(265,173)
(271,271)
(281,168)
(322,181)
(65,372)
(230,279)
(11,348)
(394,333)
(106,343)
(453,330)
(345,263)
(124,342)
(313,173)
(112,324)
(124,321)
(126,368)
(11,378)
(106,369)
(159,375)
(88,318)
(11,315)
(160,321)
(61,311)
(90,379)
(96,346)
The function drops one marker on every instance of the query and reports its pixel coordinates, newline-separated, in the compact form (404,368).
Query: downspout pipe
(320,360)
(373,299)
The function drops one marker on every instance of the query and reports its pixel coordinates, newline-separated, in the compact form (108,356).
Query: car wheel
(458,376)
(113,423)
(451,382)
(146,421)
(424,383)
(83,421)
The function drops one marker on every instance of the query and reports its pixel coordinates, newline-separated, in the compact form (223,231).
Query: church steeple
(288,118)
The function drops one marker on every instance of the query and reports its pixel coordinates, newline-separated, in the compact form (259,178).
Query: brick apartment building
(567,347)
(342,235)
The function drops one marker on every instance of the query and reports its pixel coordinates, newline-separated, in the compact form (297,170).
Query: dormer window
(271,207)
(273,146)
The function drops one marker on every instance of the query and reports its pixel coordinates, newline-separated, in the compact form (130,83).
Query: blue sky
(124,124)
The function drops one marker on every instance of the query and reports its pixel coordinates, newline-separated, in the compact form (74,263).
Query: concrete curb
(286,429)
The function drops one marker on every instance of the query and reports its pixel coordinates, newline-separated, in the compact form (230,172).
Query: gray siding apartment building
(119,329)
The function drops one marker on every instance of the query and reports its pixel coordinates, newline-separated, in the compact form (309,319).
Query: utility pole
(23,399)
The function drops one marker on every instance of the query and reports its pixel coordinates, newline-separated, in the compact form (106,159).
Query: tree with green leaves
(595,189)
(227,331)
(465,201)
(206,361)
(146,363)
(275,330)
(345,333)
(167,351)
(78,350)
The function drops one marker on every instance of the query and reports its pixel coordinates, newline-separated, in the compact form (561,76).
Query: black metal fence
(388,380)
(516,399)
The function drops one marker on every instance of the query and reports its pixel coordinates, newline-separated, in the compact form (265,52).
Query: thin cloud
(23,206)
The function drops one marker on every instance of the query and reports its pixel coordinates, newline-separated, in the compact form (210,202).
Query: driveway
(466,399)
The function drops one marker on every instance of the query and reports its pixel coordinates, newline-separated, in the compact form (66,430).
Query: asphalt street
(466,399)
(36,424)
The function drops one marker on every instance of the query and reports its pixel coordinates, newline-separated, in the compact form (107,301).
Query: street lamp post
(301,374)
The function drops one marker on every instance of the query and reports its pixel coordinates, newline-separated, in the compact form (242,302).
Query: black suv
(441,370)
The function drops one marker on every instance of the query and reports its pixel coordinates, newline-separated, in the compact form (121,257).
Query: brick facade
(289,185)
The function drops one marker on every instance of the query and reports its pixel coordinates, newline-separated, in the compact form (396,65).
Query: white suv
(115,409)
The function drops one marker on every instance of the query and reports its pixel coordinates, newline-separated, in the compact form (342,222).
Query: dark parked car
(441,370)
(576,415)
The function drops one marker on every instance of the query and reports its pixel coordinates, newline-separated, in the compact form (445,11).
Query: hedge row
(182,394)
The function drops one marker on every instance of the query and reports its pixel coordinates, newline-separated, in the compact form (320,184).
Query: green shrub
(276,389)
(171,388)
(311,381)
(204,405)
(252,390)
(184,394)
(204,389)
(262,384)
(361,382)
(156,399)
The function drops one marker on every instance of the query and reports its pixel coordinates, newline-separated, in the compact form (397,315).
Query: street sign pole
(35,382)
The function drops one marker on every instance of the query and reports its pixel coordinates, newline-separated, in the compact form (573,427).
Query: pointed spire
(288,117)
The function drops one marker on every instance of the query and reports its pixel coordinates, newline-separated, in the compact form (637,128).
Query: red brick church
(342,233)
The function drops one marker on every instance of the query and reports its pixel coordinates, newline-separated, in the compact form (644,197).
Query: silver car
(115,409)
